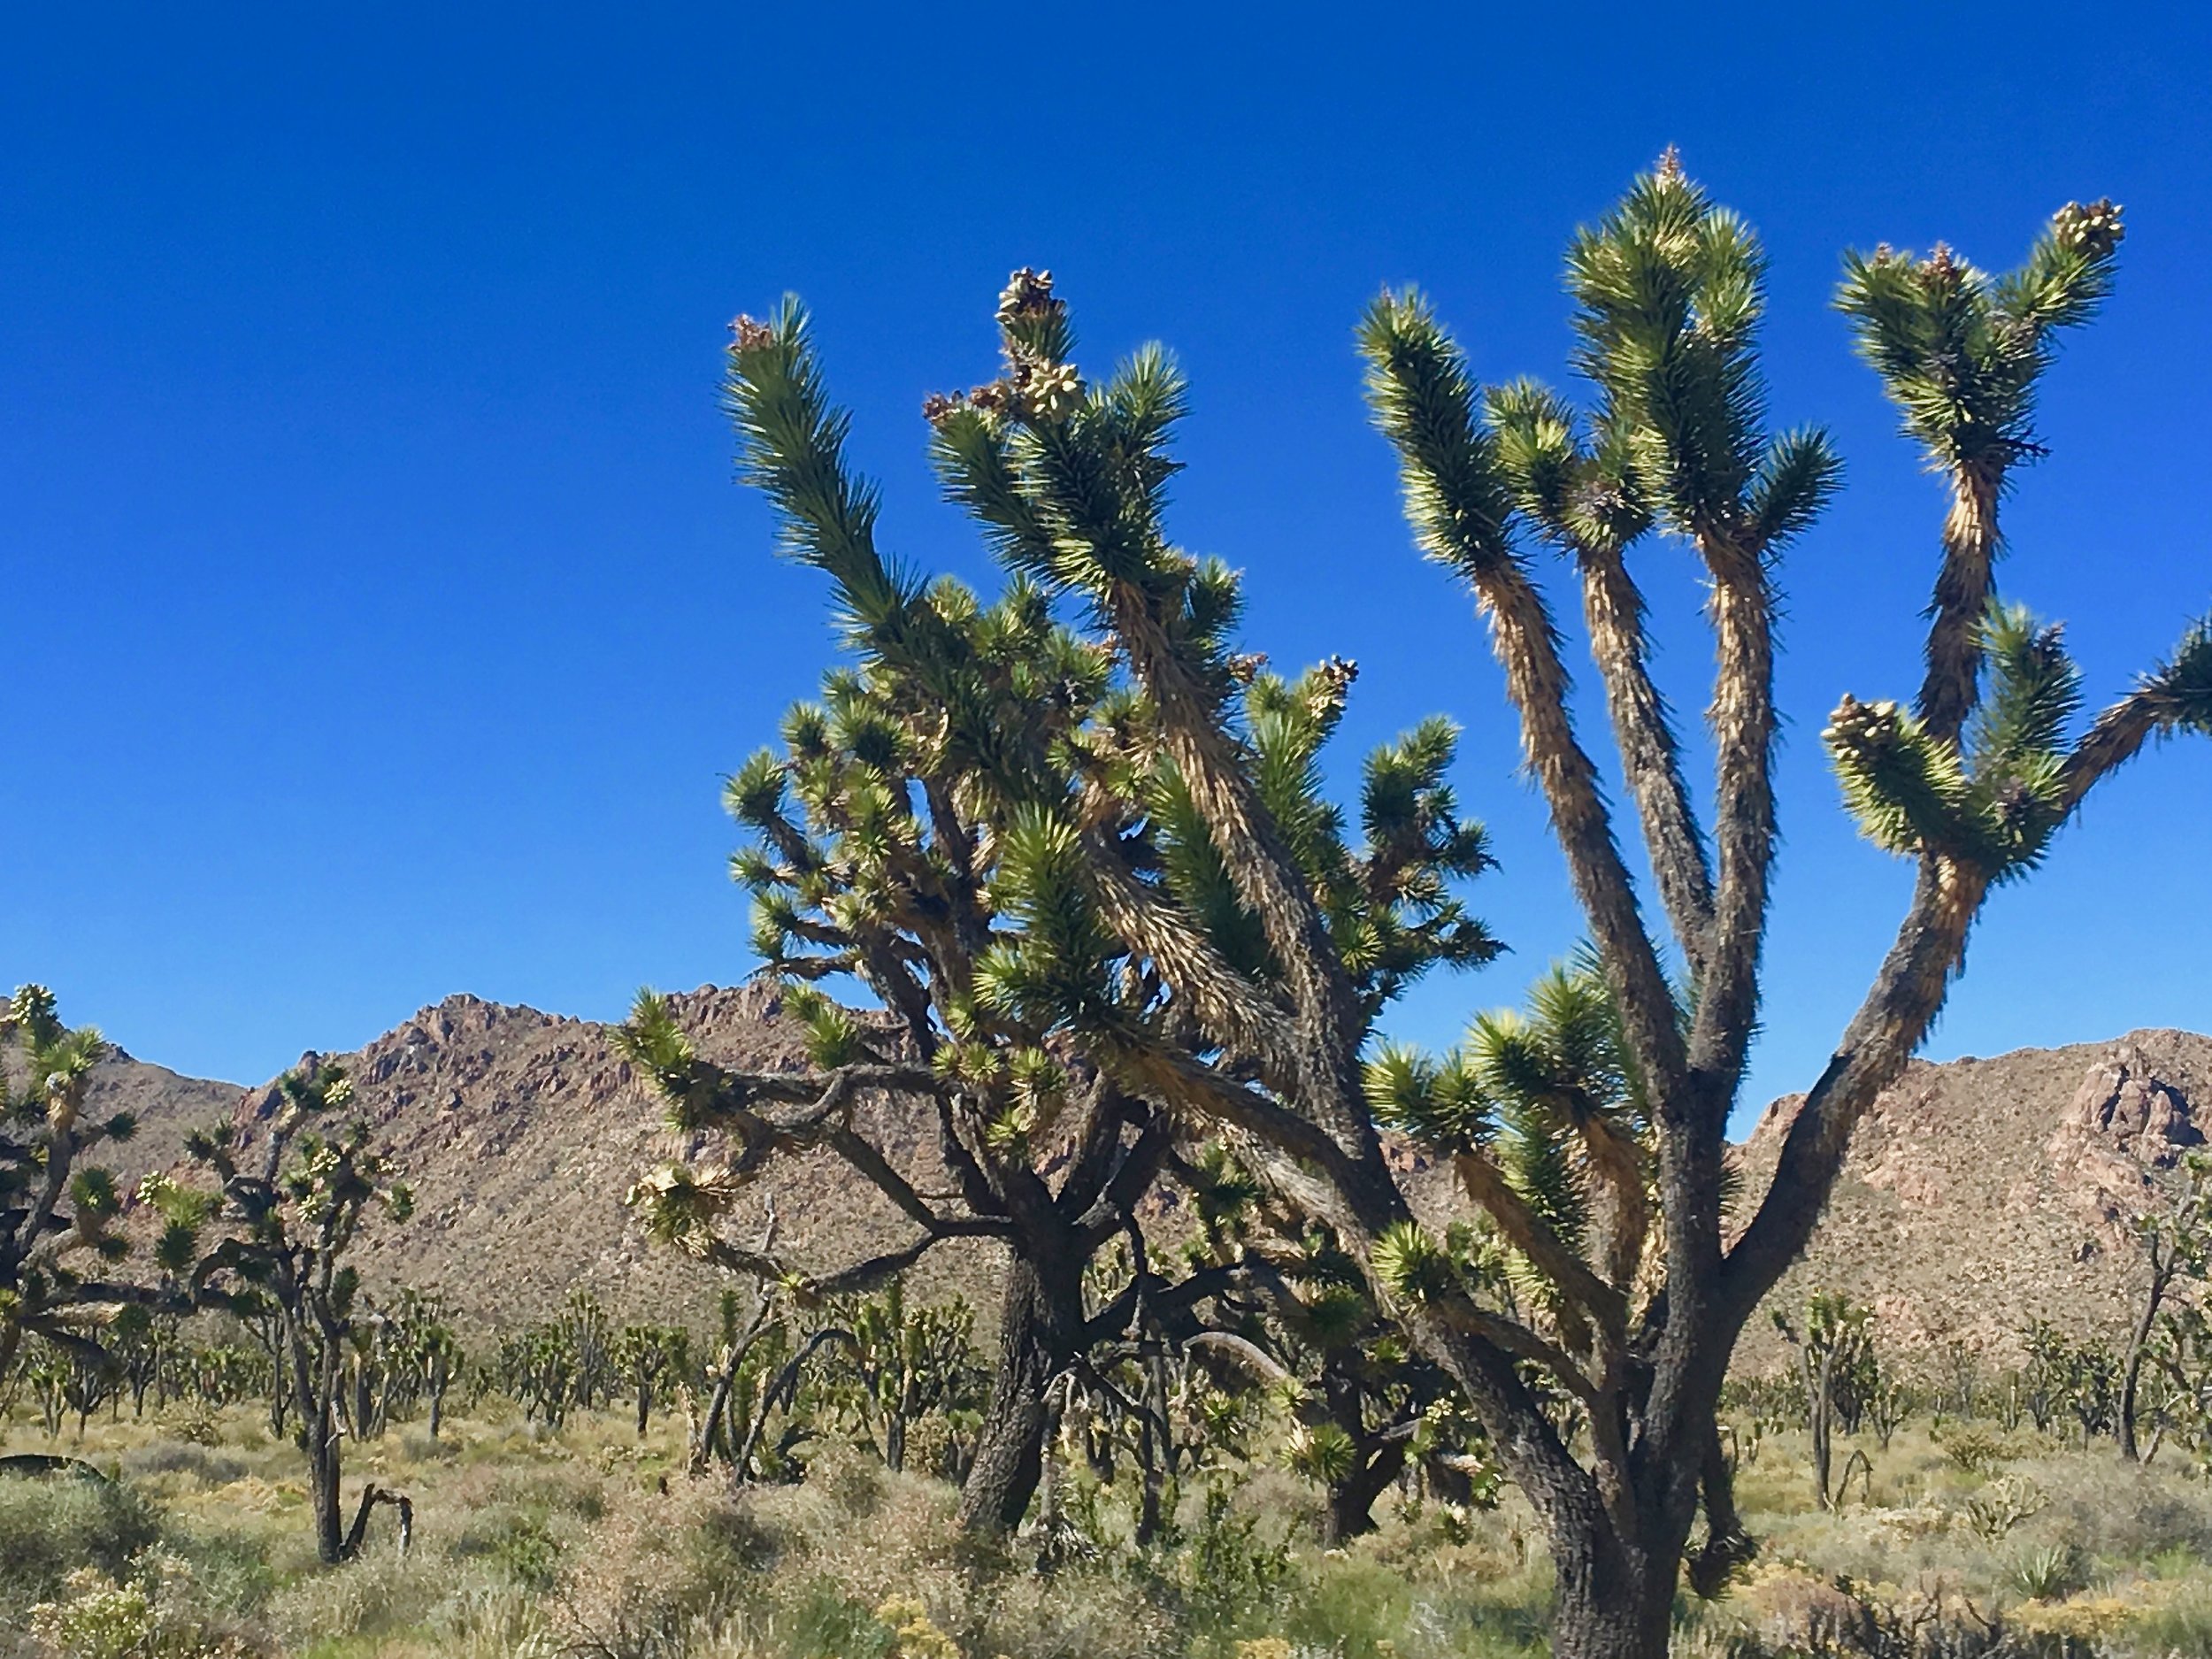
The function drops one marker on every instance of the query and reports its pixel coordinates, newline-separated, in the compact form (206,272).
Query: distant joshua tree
(285,1217)
(1075,843)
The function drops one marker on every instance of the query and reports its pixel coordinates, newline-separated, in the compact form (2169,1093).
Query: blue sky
(380,612)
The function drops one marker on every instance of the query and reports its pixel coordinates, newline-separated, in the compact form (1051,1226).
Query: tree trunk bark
(1612,1601)
(1351,1512)
(1040,1320)
(1820,1387)
(321,1436)
(895,1440)
(1632,1625)
(2131,1381)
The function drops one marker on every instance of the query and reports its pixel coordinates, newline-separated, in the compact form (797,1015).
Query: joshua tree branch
(1905,998)
(1744,730)
(1527,1231)
(1650,750)
(1963,585)
(1527,645)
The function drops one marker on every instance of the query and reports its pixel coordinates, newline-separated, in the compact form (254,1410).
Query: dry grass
(590,1544)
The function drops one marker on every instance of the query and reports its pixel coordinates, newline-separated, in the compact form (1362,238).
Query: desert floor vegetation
(1959,1537)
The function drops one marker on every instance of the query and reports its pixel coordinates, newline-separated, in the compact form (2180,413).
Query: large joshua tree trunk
(1041,1321)
(1609,1604)
(1618,1545)
(314,1391)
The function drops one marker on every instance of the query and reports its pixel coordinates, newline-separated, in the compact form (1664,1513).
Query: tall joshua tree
(933,828)
(1970,782)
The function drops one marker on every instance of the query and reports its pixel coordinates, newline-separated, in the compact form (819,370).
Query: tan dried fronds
(2096,229)
(1027,292)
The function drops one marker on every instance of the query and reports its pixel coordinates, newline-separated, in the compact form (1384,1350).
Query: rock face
(2128,1123)
(1981,1195)
(168,1108)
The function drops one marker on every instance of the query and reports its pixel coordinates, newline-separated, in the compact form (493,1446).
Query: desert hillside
(519,1132)
(1978,1195)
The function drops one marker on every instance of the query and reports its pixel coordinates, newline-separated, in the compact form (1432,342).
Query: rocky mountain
(1978,1194)
(520,1131)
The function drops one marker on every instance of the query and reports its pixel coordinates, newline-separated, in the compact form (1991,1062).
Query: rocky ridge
(1979,1194)
(519,1132)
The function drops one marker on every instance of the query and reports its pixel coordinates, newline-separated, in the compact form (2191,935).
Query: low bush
(52,1527)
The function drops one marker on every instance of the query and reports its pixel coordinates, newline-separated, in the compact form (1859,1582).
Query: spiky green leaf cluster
(1995,805)
(1550,1100)
(1458,496)
(2182,685)
(1669,292)
(1959,352)
(1412,1266)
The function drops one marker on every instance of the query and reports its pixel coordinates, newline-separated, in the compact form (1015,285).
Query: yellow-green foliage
(529,1547)
(913,1634)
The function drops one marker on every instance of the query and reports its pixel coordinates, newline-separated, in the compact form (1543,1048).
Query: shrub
(2003,1504)
(376,1594)
(184,1457)
(653,1572)
(2178,1623)
(51,1528)
(1974,1450)
(154,1612)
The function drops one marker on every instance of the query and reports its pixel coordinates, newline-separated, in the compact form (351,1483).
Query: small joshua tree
(289,1213)
(1259,1004)
(1366,1407)
(1835,1361)
(427,1352)
(57,1210)
(906,1362)
(652,1360)
(2176,1238)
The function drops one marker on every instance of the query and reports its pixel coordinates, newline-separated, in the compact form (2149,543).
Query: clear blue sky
(380,612)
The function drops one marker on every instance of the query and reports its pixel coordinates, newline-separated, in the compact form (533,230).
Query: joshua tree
(57,1210)
(425,1350)
(1265,1000)
(937,828)
(650,1358)
(288,1214)
(1302,1319)
(1970,783)
(1835,1362)
(2177,1242)
(72,1380)
(907,1362)
(145,1344)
